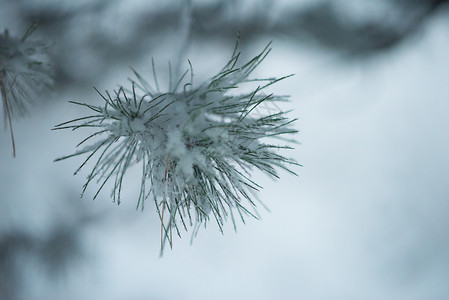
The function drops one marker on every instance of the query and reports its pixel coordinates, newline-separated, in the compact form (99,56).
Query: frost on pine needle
(25,73)
(196,145)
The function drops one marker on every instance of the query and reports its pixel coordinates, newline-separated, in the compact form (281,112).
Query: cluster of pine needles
(25,75)
(196,145)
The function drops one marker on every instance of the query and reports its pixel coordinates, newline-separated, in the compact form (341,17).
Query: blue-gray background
(368,216)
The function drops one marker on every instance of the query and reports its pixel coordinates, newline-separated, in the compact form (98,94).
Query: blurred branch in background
(55,253)
(344,32)
(354,29)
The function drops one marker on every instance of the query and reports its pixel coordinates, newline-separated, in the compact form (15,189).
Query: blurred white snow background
(367,218)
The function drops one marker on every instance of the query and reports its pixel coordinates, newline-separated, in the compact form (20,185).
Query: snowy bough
(25,74)
(196,146)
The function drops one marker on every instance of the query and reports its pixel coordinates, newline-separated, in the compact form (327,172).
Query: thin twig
(8,112)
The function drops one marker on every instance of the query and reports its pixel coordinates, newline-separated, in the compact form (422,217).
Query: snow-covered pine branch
(25,74)
(196,145)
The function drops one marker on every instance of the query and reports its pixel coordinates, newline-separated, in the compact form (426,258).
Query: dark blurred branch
(55,251)
(320,23)
(330,30)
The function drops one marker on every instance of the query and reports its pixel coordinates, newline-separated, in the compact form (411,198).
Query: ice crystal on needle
(196,146)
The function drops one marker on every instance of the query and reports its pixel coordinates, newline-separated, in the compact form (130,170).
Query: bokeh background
(367,217)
